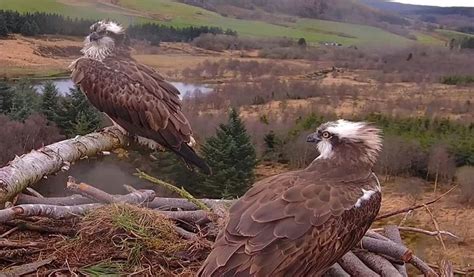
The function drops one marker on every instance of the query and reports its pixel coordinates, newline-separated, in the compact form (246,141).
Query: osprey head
(105,36)
(346,141)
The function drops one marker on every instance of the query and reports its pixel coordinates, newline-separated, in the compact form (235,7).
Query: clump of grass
(457,80)
(132,237)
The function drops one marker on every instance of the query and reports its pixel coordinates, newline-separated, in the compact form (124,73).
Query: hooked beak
(313,138)
(94,36)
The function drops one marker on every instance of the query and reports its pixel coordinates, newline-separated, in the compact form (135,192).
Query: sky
(442,3)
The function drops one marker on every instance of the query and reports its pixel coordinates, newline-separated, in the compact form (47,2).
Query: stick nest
(125,238)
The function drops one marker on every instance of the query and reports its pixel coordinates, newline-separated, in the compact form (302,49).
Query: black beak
(313,138)
(94,36)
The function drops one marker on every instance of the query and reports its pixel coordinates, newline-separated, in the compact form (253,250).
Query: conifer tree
(6,96)
(25,101)
(3,27)
(78,116)
(50,104)
(232,158)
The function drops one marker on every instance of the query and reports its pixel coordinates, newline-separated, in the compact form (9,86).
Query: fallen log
(30,168)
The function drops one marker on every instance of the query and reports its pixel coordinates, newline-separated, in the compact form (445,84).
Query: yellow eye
(326,135)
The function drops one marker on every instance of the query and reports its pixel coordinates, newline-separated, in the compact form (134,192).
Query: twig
(388,248)
(129,188)
(185,234)
(26,268)
(422,231)
(336,271)
(9,232)
(14,253)
(197,217)
(18,244)
(90,191)
(377,263)
(59,201)
(446,268)
(23,225)
(393,233)
(355,267)
(457,271)
(34,192)
(404,210)
(423,267)
(181,191)
(435,223)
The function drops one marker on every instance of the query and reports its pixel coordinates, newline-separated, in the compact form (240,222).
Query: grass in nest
(125,235)
(106,268)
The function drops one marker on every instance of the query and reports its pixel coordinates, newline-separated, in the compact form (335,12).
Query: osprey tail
(190,157)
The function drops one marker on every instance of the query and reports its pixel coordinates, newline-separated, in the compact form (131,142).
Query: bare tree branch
(26,268)
(355,267)
(30,168)
(414,207)
(422,231)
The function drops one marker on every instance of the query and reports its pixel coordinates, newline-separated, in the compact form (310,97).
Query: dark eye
(326,135)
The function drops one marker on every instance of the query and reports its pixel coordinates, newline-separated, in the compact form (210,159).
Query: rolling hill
(179,14)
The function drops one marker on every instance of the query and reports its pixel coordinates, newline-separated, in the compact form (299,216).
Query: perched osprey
(133,95)
(299,223)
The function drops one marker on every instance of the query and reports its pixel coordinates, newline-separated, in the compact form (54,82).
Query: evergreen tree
(50,106)
(3,27)
(232,158)
(78,116)
(29,28)
(25,101)
(6,96)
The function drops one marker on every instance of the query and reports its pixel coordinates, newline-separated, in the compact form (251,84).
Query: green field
(177,14)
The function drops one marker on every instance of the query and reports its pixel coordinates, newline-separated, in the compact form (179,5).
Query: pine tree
(25,101)
(50,106)
(29,28)
(232,158)
(6,96)
(3,26)
(78,116)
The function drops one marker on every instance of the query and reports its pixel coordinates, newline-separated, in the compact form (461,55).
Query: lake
(64,85)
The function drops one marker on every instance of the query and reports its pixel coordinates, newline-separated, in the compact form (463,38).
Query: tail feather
(190,156)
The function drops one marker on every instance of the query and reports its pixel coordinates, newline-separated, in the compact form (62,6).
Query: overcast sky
(443,3)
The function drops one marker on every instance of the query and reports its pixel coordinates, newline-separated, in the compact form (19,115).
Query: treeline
(39,23)
(155,33)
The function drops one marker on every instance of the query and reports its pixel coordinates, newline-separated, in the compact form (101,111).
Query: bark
(157,203)
(389,248)
(30,168)
(392,232)
(336,271)
(26,268)
(378,264)
(355,267)
(423,267)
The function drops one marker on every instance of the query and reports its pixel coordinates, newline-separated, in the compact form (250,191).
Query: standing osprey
(299,223)
(133,95)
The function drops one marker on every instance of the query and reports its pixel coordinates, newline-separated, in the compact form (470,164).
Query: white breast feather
(365,197)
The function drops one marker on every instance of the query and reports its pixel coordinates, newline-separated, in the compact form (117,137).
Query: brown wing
(138,99)
(294,224)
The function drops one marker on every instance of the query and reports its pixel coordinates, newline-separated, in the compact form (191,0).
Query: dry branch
(25,269)
(422,231)
(90,191)
(378,263)
(30,168)
(18,244)
(336,271)
(355,267)
(423,267)
(392,232)
(59,201)
(389,248)
(414,207)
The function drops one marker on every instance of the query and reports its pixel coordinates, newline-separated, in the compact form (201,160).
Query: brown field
(20,57)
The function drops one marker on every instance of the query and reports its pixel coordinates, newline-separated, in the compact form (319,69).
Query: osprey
(300,223)
(134,96)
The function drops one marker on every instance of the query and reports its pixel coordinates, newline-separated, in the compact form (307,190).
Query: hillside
(178,14)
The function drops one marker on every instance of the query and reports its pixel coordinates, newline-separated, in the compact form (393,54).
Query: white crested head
(103,39)
(352,141)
